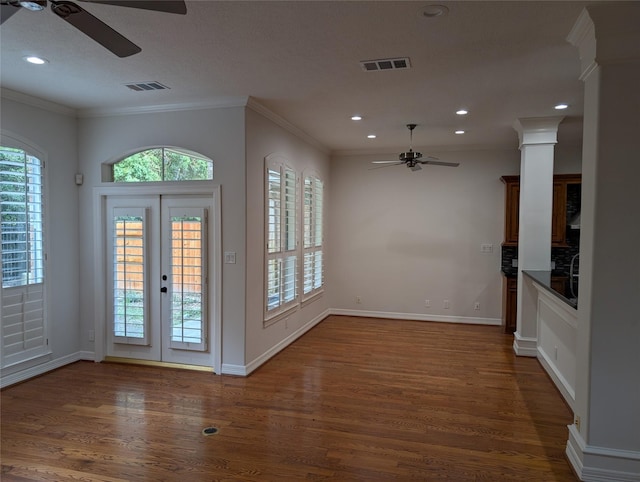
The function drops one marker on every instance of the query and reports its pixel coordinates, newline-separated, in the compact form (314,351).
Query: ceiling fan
(90,25)
(413,159)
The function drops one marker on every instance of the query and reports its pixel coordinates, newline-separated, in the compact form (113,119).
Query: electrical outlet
(476,306)
(577,422)
(445,304)
(358,300)
(92,335)
(486,248)
(427,303)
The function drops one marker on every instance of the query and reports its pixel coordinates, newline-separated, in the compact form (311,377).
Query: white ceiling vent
(142,86)
(399,63)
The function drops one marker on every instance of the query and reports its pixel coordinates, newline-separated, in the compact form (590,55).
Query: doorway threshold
(152,363)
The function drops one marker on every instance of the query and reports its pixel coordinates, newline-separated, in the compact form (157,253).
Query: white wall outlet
(230,257)
(476,306)
(446,305)
(92,335)
(486,248)
(358,300)
(427,303)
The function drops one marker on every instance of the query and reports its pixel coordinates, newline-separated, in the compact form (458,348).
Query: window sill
(312,297)
(270,320)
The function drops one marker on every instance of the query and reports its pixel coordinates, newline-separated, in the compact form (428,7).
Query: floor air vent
(142,86)
(399,63)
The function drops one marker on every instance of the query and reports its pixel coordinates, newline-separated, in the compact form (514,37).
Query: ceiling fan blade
(6,10)
(94,28)
(440,163)
(395,163)
(386,162)
(415,167)
(167,6)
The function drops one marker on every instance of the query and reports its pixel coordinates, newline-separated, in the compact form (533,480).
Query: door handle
(163,289)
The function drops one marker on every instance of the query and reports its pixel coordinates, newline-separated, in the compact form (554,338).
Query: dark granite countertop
(543,278)
(513,272)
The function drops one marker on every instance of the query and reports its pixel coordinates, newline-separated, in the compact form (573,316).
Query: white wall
(400,237)
(215,133)
(265,137)
(51,129)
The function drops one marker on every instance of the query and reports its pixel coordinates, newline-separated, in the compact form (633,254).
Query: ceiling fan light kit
(34,6)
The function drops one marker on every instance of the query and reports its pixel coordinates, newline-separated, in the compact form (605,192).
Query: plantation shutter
(281,238)
(24,333)
(313,264)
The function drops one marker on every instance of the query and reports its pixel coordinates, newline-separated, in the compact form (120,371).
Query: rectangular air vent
(399,63)
(142,86)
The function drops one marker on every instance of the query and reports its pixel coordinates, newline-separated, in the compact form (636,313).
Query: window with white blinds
(281,237)
(291,213)
(313,267)
(24,334)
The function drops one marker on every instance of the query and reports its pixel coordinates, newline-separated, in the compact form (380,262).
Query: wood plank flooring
(355,399)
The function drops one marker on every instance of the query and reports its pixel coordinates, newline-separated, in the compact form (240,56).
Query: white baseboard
(419,317)
(251,366)
(598,464)
(565,388)
(87,355)
(229,369)
(524,346)
(37,370)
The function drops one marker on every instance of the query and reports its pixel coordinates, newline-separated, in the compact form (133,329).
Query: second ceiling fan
(90,25)
(413,159)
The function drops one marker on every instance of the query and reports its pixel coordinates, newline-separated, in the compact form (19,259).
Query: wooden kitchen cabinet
(558,212)
(509,303)
(510,299)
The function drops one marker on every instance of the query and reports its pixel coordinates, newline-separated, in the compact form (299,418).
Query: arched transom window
(163,164)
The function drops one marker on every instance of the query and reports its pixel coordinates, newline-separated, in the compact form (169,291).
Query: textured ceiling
(500,60)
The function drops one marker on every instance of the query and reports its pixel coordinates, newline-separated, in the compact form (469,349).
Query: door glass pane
(187,294)
(128,277)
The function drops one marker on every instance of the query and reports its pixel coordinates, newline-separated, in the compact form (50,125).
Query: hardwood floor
(354,399)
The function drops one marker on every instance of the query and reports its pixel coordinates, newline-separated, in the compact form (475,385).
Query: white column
(538,137)
(604,443)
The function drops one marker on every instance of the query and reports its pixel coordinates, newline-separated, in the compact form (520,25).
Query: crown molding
(217,103)
(257,107)
(583,37)
(37,102)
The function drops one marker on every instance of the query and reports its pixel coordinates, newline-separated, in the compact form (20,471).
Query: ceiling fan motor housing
(409,156)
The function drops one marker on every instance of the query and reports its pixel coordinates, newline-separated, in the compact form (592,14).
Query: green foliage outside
(162,164)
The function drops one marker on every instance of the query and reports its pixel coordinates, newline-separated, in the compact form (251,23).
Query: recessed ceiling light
(371,136)
(432,11)
(561,106)
(462,112)
(35,60)
(459,132)
(356,117)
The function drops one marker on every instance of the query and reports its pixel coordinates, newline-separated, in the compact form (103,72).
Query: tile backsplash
(560,256)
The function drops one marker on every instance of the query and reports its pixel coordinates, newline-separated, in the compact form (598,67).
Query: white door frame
(202,188)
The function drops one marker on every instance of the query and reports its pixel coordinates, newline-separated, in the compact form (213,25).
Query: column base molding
(523,346)
(601,464)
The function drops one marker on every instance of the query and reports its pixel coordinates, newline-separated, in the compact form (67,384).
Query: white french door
(158,278)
